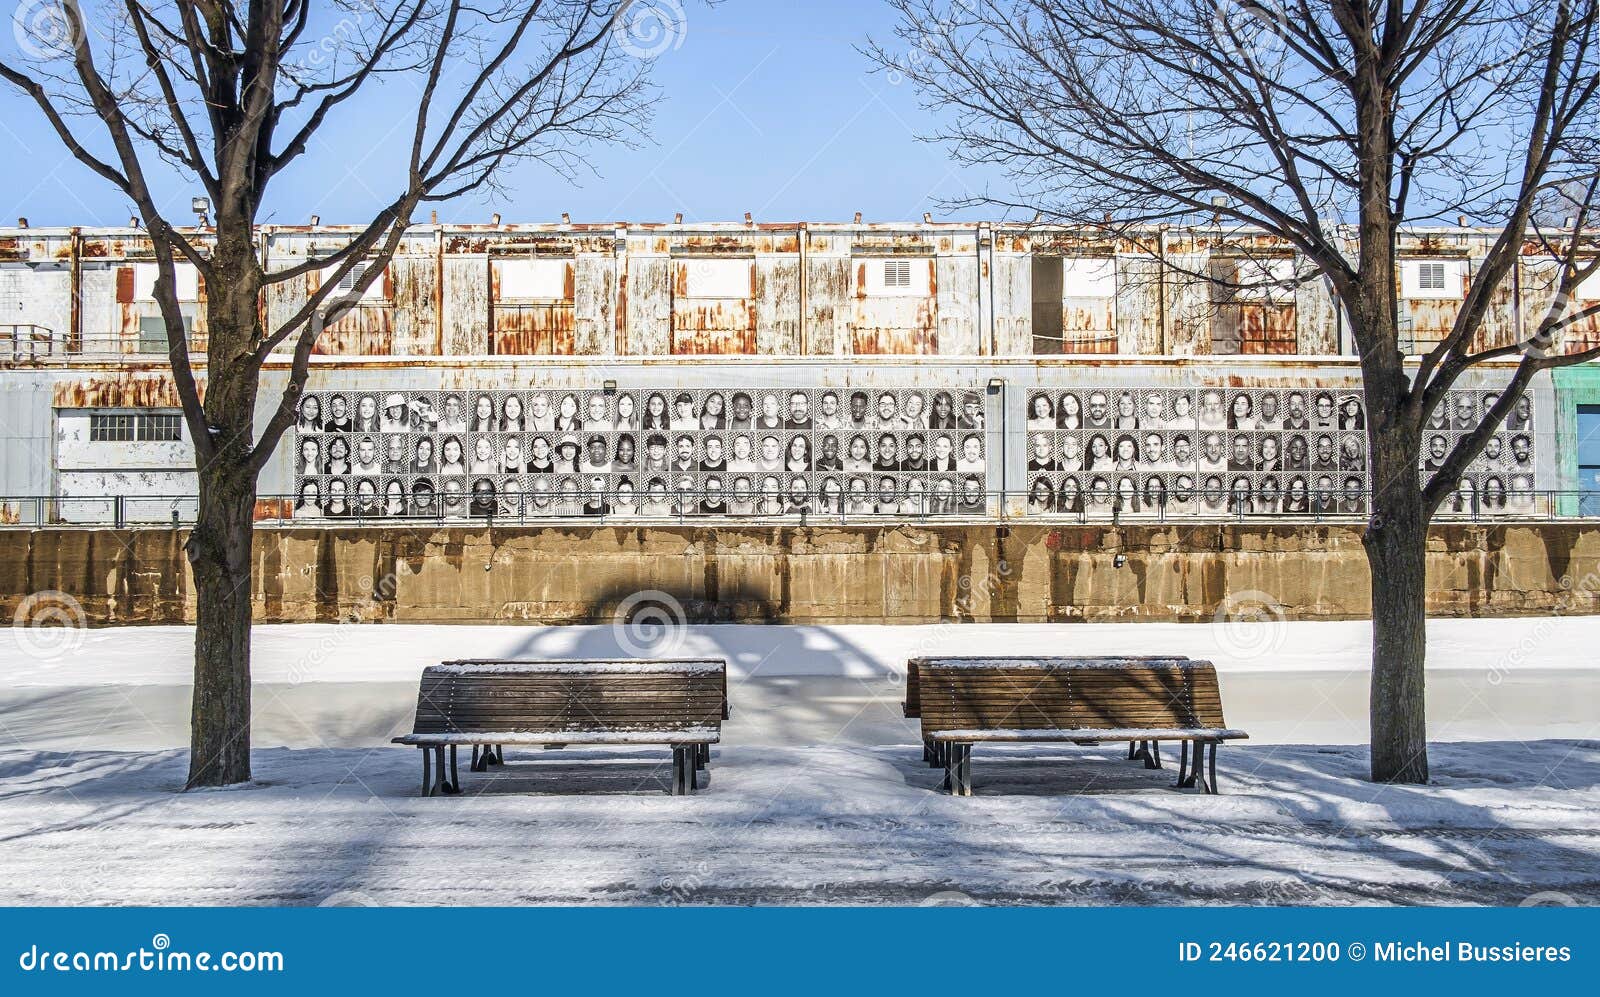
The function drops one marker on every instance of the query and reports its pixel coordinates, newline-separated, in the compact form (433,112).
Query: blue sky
(768,108)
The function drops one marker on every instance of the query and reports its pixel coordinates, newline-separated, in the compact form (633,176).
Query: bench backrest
(1069,694)
(913,704)
(571,696)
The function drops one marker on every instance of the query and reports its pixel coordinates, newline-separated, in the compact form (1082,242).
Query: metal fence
(700,506)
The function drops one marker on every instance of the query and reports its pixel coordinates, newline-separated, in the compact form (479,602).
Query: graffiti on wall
(1174,452)
(779,451)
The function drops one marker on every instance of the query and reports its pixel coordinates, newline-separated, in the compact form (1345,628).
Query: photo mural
(650,452)
(1210,452)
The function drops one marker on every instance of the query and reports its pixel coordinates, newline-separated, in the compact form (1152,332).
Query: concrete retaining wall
(806,575)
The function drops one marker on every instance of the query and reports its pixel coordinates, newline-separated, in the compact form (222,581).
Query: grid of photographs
(1208,452)
(651,453)
(1501,480)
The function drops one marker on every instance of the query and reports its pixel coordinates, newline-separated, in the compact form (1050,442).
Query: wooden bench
(1086,700)
(489,704)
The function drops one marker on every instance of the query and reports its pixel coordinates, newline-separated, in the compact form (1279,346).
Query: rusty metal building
(1006,311)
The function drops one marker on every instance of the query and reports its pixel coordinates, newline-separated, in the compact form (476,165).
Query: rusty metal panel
(957,282)
(1187,295)
(777,295)
(283,300)
(466,305)
(543,328)
(1011,309)
(594,285)
(649,305)
(413,286)
(125,390)
(827,304)
(1138,305)
(1088,325)
(1500,319)
(1316,318)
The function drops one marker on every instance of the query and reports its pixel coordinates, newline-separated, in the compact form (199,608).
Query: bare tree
(232,94)
(1331,125)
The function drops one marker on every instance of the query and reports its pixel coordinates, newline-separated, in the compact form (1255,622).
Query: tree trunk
(219,546)
(1396,544)
(219,552)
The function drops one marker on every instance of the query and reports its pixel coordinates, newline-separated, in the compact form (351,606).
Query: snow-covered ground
(351,652)
(817,794)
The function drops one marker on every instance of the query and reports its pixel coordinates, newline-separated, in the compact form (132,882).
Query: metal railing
(700,506)
(26,341)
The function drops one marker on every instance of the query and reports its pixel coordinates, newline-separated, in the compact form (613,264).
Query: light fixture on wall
(494,219)
(609,387)
(1119,560)
(23,222)
(996,385)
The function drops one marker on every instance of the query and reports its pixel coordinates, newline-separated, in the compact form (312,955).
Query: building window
(900,277)
(110,427)
(153,333)
(163,428)
(1589,460)
(131,427)
(1433,279)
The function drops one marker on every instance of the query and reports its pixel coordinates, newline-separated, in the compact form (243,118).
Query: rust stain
(539,329)
(717,328)
(273,509)
(122,391)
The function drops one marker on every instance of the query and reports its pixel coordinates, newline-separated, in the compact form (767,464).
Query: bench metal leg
(427,771)
(1200,769)
(702,756)
(1133,750)
(441,784)
(958,769)
(1185,777)
(683,769)
(1152,754)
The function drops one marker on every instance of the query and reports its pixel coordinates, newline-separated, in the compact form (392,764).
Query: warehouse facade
(760,371)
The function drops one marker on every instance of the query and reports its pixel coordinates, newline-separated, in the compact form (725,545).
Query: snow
(680,735)
(361,652)
(817,793)
(631,666)
(979,735)
(1040,662)
(815,824)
